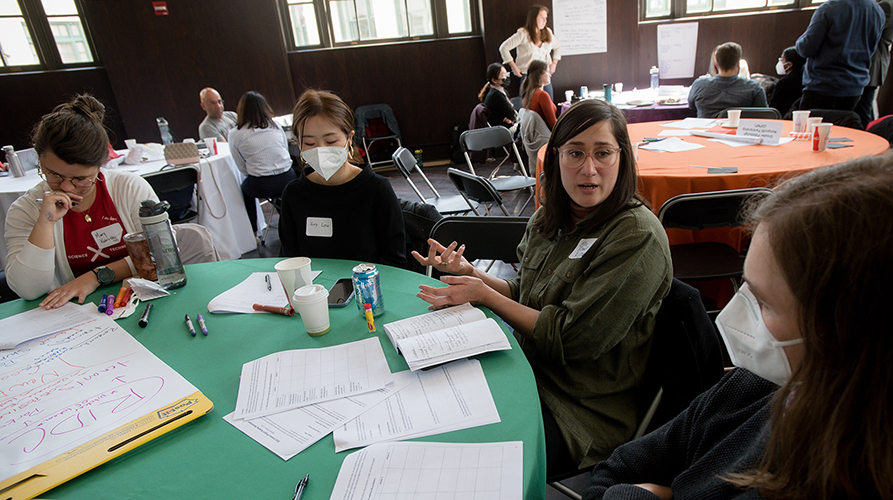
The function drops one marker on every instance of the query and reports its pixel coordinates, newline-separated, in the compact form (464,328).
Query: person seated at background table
(534,97)
(534,42)
(789,87)
(813,319)
(64,235)
(337,209)
(838,44)
(218,122)
(595,265)
(711,95)
(496,98)
(260,150)
(743,68)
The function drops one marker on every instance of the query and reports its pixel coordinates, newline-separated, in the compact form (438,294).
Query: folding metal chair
(475,188)
(498,137)
(177,185)
(758,113)
(491,238)
(373,123)
(446,205)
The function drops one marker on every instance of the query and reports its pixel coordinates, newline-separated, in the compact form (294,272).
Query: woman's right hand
(450,259)
(515,69)
(56,204)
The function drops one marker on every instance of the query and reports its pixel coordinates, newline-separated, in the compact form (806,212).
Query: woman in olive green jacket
(595,265)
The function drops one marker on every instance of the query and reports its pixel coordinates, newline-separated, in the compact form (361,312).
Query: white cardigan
(32,271)
(528,51)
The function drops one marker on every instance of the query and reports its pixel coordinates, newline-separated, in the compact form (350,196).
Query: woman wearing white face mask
(789,88)
(336,209)
(814,318)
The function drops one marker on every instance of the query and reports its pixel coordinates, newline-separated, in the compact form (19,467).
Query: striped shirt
(260,152)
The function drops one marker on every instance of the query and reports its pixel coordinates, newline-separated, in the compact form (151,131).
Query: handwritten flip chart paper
(768,131)
(581,26)
(39,322)
(292,379)
(676,47)
(62,391)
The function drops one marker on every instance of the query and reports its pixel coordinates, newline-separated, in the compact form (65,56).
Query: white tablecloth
(222,209)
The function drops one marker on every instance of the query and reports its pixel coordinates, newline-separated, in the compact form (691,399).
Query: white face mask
(325,160)
(779,68)
(751,346)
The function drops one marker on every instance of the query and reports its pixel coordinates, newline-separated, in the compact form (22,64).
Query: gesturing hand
(449,261)
(462,289)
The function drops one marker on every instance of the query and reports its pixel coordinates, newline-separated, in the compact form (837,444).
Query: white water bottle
(164,128)
(162,246)
(655,77)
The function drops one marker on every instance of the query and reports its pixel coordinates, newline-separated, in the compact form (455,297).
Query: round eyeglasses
(57,179)
(603,156)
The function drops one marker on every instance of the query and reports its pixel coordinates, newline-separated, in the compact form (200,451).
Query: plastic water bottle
(607,88)
(165,130)
(15,164)
(162,247)
(655,77)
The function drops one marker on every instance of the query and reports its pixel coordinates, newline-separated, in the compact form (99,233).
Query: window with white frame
(329,23)
(674,9)
(42,34)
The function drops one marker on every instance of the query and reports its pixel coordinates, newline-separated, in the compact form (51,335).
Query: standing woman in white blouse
(260,150)
(534,41)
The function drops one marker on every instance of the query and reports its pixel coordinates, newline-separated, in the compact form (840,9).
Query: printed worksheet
(290,432)
(447,398)
(63,390)
(432,321)
(292,379)
(448,471)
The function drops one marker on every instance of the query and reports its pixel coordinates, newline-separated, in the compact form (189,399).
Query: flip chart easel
(77,461)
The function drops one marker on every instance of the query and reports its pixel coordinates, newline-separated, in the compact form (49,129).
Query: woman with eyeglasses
(64,236)
(595,265)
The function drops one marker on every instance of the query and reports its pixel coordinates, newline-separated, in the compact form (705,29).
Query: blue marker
(201,323)
(101,307)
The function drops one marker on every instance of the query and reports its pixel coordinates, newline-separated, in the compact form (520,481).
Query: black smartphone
(341,293)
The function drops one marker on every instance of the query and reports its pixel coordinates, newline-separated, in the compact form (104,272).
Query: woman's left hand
(553,67)
(462,289)
(80,287)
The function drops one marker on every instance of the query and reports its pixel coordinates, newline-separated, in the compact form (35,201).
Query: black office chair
(476,190)
(698,211)
(485,139)
(446,205)
(758,113)
(489,238)
(686,360)
(276,204)
(177,185)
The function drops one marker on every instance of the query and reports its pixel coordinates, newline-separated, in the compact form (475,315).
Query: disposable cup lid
(310,293)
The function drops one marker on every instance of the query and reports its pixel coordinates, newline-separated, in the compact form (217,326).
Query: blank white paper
(252,290)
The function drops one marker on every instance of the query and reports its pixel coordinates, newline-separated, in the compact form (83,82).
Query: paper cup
(211,142)
(820,137)
(568,95)
(618,87)
(312,303)
(800,120)
(130,143)
(810,124)
(734,116)
(293,273)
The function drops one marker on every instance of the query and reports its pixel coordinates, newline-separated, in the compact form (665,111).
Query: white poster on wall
(581,26)
(676,47)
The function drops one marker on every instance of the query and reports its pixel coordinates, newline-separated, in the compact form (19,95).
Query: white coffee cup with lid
(312,303)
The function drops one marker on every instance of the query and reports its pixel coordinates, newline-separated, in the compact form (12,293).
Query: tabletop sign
(768,131)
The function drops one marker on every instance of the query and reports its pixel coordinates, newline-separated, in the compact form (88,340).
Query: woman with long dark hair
(806,415)
(260,150)
(534,42)
(534,97)
(595,266)
(496,98)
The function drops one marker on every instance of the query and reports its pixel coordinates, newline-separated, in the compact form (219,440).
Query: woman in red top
(533,95)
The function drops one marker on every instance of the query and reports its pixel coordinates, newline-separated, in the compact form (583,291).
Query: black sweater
(500,107)
(365,217)
(788,89)
(723,431)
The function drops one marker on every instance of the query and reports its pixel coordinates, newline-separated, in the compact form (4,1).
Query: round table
(209,458)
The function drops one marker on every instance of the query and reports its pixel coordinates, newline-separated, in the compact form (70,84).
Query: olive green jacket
(592,338)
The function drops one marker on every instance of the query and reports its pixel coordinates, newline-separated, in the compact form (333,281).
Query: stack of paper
(445,335)
(670,145)
(253,290)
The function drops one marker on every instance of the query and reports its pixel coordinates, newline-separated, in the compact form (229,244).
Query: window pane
(18,48)
(776,3)
(458,16)
(381,19)
(658,8)
(696,6)
(344,21)
(737,4)
(421,22)
(9,8)
(68,32)
(303,23)
(59,7)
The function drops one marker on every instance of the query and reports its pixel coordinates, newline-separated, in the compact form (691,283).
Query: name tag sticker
(582,247)
(319,226)
(108,236)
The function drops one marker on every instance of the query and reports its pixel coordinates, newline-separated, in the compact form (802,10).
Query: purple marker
(201,323)
(110,304)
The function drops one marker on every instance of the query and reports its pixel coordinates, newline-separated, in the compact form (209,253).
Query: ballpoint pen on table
(267,279)
(299,488)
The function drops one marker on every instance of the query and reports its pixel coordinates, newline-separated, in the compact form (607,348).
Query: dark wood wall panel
(27,97)
(158,64)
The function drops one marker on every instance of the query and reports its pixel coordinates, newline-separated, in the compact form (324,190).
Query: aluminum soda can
(367,288)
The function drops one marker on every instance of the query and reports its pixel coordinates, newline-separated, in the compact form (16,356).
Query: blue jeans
(547,88)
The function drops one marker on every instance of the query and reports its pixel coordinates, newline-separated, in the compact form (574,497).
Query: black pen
(144,319)
(299,488)
(189,325)
(267,279)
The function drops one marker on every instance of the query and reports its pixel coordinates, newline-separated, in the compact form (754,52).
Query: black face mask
(506,81)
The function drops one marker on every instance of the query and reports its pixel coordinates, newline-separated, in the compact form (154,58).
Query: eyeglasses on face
(51,177)
(574,157)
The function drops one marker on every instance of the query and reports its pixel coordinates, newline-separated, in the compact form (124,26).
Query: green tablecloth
(208,458)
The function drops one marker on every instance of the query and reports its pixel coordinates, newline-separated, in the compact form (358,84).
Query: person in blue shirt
(710,95)
(838,44)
